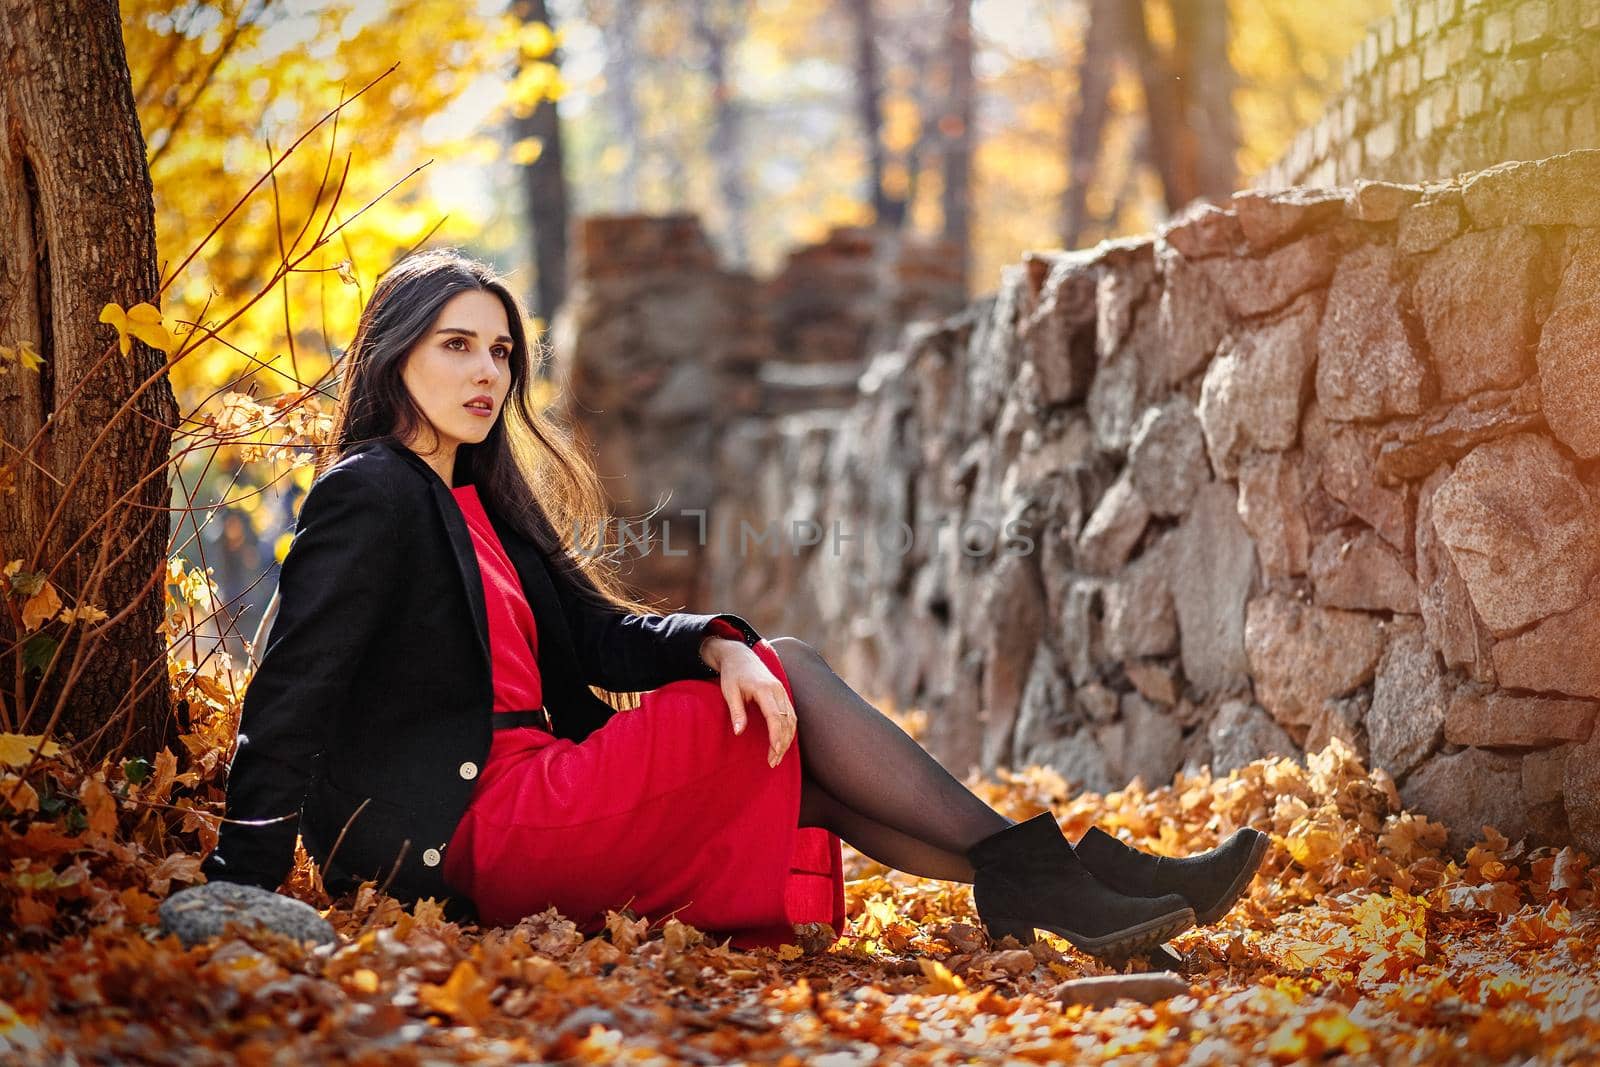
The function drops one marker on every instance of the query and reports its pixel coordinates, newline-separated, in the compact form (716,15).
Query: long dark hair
(527,470)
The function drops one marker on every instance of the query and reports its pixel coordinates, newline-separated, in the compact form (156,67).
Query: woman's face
(460,371)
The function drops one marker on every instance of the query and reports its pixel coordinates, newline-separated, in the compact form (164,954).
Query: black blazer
(375,686)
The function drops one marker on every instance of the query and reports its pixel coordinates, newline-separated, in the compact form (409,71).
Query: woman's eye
(502,353)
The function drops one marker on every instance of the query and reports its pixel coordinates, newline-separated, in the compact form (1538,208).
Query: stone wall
(1317,464)
(1446,86)
(662,354)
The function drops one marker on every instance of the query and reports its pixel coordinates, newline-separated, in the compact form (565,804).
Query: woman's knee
(791,651)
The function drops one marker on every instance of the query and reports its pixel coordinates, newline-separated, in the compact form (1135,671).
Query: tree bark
(544,186)
(956,125)
(77,230)
(1203,29)
(727,147)
(1086,126)
(887,210)
(1188,99)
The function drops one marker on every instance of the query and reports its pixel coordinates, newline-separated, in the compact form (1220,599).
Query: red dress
(663,809)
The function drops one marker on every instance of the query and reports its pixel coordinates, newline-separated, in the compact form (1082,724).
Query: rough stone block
(1569,375)
(1468,790)
(1409,697)
(1357,570)
(1167,458)
(1428,225)
(1272,508)
(1114,527)
(1548,192)
(1270,218)
(1346,455)
(1154,682)
(1139,616)
(1491,718)
(1013,604)
(1242,733)
(1377,201)
(1345,719)
(1154,741)
(1448,617)
(1367,366)
(1413,448)
(1555,656)
(1260,285)
(1255,389)
(1522,530)
(1192,318)
(1581,793)
(1214,576)
(1202,230)
(1302,656)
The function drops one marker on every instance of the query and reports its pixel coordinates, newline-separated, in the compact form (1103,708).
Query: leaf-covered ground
(1358,939)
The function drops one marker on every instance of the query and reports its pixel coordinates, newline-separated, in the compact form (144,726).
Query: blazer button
(431,858)
(469,770)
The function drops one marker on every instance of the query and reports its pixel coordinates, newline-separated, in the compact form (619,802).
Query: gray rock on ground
(202,912)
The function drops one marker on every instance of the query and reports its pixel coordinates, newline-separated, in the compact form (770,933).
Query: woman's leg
(888,790)
(888,846)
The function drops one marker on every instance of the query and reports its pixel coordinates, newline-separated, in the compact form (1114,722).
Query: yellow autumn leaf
(940,980)
(16,750)
(142,321)
(40,607)
(527,150)
(82,613)
(29,356)
(18,795)
(1304,954)
(537,41)
(464,995)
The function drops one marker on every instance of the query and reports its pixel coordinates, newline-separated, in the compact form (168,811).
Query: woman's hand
(745,678)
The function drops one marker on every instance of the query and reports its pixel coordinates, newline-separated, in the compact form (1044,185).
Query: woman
(422,712)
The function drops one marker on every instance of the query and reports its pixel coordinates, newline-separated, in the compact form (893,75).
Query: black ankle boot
(1210,882)
(1027,877)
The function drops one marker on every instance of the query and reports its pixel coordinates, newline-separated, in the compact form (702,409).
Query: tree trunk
(1086,126)
(620,34)
(77,230)
(727,147)
(956,125)
(544,187)
(887,210)
(1163,110)
(1202,28)
(1188,99)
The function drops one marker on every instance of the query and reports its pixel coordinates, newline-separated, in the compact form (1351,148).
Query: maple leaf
(464,996)
(99,808)
(82,613)
(39,607)
(940,980)
(178,867)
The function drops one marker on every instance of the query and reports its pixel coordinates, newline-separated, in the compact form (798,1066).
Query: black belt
(506,720)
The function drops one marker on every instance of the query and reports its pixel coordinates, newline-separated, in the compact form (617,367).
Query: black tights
(868,781)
